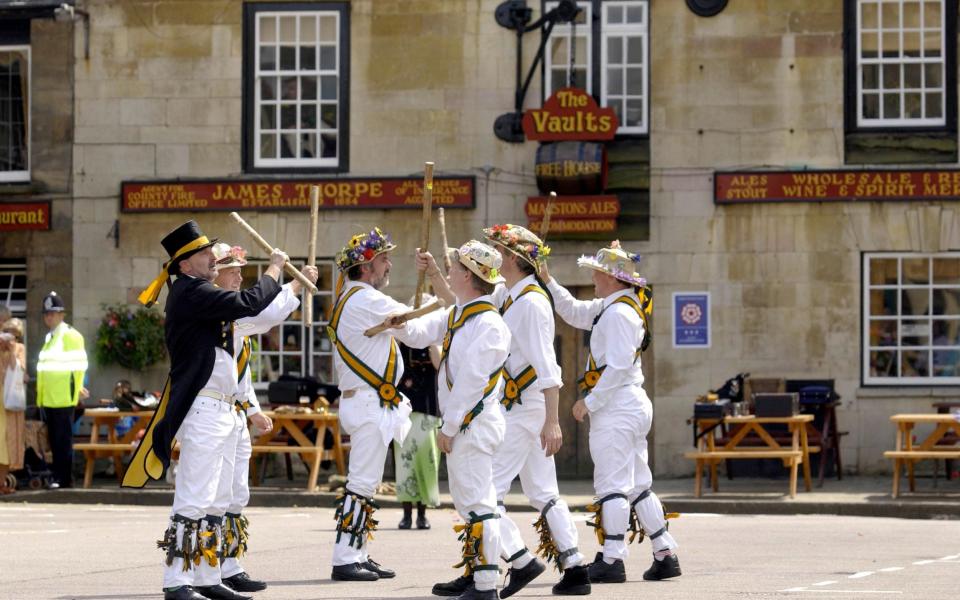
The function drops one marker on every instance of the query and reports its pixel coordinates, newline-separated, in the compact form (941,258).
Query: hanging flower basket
(131,339)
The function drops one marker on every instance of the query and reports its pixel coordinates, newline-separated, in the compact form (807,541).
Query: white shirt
(614,339)
(366,308)
(477,350)
(531,325)
(274,314)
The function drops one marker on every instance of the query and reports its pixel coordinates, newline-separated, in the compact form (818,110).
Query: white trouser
(524,456)
(470,474)
(240,494)
(360,418)
(618,447)
(204,481)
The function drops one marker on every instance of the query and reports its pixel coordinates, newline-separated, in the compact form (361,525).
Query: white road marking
(924,562)
(890,569)
(951,557)
(823,583)
(802,590)
(32,531)
(860,574)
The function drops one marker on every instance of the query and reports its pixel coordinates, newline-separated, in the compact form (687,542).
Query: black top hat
(182,237)
(53,303)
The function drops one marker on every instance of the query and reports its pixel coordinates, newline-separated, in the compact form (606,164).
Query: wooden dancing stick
(425,227)
(312,247)
(443,240)
(266,247)
(545,223)
(413,314)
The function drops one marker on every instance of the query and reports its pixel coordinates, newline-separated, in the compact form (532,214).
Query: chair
(819,398)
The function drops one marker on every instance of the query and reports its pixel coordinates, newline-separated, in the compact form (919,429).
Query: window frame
(23,175)
(12,268)
(627,30)
(868,380)
(853,82)
(250,134)
(595,59)
(565,30)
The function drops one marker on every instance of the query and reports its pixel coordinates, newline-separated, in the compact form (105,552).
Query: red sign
(271,194)
(836,186)
(574,214)
(25,216)
(570,114)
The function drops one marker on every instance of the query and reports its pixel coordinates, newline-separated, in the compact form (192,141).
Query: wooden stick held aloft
(312,247)
(545,223)
(425,226)
(443,240)
(266,247)
(413,314)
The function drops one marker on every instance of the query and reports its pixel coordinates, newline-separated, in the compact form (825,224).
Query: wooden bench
(741,446)
(936,446)
(312,452)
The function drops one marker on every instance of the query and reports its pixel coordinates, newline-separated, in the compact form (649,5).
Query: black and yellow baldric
(471,534)
(148,297)
(243,361)
(385,384)
(478,407)
(593,372)
(454,323)
(530,288)
(513,387)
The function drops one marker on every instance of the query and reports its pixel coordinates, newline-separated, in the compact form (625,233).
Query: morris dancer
(235,534)
(201,405)
(476,343)
(620,412)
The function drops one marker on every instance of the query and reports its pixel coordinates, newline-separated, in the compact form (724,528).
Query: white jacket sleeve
(487,351)
(577,313)
(620,337)
(428,330)
(274,314)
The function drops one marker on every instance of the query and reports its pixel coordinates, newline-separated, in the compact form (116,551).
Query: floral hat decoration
(363,248)
(483,261)
(519,240)
(615,261)
(229,256)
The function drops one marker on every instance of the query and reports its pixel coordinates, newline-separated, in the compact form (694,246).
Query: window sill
(919,391)
(20,188)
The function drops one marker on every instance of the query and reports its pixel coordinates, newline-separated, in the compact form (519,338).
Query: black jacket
(199,318)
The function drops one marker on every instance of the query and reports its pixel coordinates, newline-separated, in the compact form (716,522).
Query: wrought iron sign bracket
(515,15)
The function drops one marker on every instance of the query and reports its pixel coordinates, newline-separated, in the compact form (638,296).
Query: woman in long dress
(11,422)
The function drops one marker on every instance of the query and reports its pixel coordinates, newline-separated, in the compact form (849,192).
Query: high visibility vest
(60,368)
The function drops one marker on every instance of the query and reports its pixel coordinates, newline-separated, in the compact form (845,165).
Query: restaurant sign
(570,114)
(574,214)
(836,186)
(274,195)
(25,216)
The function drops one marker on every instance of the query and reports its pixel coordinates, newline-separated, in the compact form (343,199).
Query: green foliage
(130,339)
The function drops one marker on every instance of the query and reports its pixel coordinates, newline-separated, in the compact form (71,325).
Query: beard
(382,282)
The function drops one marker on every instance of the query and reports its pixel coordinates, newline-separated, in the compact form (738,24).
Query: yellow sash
(592,374)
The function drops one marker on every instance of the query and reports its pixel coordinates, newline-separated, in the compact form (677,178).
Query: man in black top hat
(201,406)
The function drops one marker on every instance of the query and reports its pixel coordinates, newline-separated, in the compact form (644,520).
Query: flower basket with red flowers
(131,339)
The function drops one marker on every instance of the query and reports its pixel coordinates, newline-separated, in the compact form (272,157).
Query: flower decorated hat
(519,240)
(363,248)
(615,261)
(229,256)
(483,261)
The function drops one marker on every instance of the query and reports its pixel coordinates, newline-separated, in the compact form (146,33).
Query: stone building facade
(169,94)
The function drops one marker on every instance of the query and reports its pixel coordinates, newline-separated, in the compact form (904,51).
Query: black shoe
(663,569)
(453,588)
(575,582)
(353,572)
(405,522)
(422,522)
(472,593)
(519,578)
(184,592)
(220,592)
(381,571)
(601,572)
(241,582)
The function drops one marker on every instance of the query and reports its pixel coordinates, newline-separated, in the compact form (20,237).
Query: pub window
(296,62)
(911,324)
(902,64)
(14,113)
(13,285)
(291,348)
(609,43)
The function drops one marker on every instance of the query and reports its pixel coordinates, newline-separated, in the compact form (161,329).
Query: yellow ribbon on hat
(148,297)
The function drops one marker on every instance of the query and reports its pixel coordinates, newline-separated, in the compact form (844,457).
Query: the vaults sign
(570,114)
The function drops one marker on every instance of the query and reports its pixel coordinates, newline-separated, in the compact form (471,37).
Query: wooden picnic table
(939,444)
(798,453)
(290,423)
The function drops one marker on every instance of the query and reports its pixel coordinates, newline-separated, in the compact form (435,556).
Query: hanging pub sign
(570,114)
(836,186)
(20,216)
(571,168)
(577,214)
(275,195)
